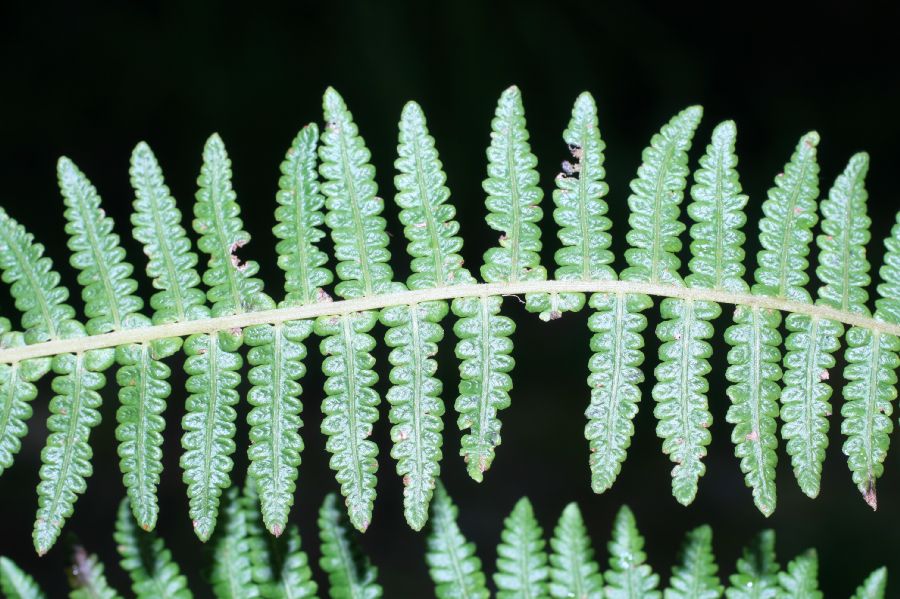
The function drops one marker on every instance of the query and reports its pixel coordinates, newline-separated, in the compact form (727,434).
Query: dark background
(90,81)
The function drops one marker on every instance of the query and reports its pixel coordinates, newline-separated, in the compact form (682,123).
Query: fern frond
(695,577)
(232,570)
(483,349)
(873,587)
(416,407)
(580,213)
(790,213)
(573,570)
(17,584)
(452,562)
(522,569)
(757,570)
(801,580)
(628,576)
(280,566)
(843,271)
(147,561)
(872,362)
(66,457)
(617,323)
(87,579)
(17,390)
(350,573)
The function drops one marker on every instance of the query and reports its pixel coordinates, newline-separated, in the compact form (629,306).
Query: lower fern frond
(416,406)
(754,359)
(350,573)
(617,343)
(276,354)
(871,388)
(209,428)
(522,570)
(573,570)
(351,408)
(232,569)
(452,563)
(805,405)
(142,396)
(483,349)
(682,407)
(74,411)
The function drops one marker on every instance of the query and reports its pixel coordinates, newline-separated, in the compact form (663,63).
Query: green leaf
(874,587)
(276,354)
(754,370)
(232,569)
(16,393)
(360,241)
(143,391)
(695,577)
(232,286)
(17,584)
(513,196)
(628,576)
(300,219)
(801,579)
(351,408)
(656,193)
(522,569)
(212,367)
(416,407)
(452,561)
(67,454)
(87,580)
(172,264)
(483,349)
(573,570)
(580,212)
(427,217)
(280,566)
(888,303)
(757,570)
(682,407)
(147,561)
(350,574)
(617,323)
(843,271)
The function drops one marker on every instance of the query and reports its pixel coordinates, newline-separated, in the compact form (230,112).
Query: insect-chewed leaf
(280,566)
(695,577)
(416,407)
(628,576)
(617,342)
(452,561)
(147,561)
(873,587)
(513,196)
(350,573)
(573,570)
(232,569)
(580,212)
(756,575)
(843,271)
(521,559)
(16,584)
(67,454)
(871,373)
(88,580)
(801,581)
(208,440)
(351,408)
(484,349)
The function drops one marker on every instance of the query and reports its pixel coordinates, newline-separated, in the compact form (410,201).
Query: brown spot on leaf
(753,436)
(870,496)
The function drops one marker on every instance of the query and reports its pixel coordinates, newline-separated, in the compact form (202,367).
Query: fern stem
(377,302)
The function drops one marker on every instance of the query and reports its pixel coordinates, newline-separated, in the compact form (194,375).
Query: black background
(90,81)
